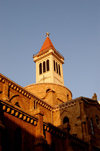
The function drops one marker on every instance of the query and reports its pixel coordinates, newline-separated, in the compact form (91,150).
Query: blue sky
(74,27)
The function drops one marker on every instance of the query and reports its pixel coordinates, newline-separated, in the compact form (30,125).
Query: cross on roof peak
(47,34)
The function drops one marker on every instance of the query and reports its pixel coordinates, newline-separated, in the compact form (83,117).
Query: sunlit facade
(43,116)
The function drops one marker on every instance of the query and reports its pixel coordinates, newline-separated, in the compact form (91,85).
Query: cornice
(73,102)
(54,130)
(64,105)
(15,86)
(14,111)
(46,50)
(24,92)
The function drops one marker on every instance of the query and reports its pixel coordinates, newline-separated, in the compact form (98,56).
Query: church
(44,116)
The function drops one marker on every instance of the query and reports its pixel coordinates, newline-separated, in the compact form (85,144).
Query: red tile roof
(47,44)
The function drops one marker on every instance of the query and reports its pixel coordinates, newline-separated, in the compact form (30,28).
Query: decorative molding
(19,89)
(18,113)
(2,80)
(53,130)
(64,105)
(23,92)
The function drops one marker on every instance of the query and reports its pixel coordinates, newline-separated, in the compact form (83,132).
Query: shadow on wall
(16,138)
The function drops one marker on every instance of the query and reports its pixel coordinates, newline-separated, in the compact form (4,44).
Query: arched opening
(92,127)
(44,68)
(35,104)
(47,90)
(47,65)
(59,69)
(65,120)
(40,68)
(54,65)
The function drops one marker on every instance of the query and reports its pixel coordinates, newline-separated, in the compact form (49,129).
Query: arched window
(59,69)
(47,90)
(47,65)
(44,68)
(92,128)
(65,120)
(35,105)
(40,68)
(54,65)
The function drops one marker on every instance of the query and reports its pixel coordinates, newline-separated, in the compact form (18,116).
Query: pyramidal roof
(47,44)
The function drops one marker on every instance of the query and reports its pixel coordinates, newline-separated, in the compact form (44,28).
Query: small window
(47,65)
(54,65)
(44,68)
(35,105)
(44,133)
(47,90)
(97,119)
(59,69)
(65,120)
(40,68)
(92,128)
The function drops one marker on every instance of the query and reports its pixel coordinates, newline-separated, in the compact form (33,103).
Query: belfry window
(54,65)
(44,67)
(47,62)
(40,68)
(59,69)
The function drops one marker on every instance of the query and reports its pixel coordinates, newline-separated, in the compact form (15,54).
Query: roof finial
(47,34)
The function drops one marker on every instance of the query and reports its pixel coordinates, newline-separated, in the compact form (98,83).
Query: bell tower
(49,64)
